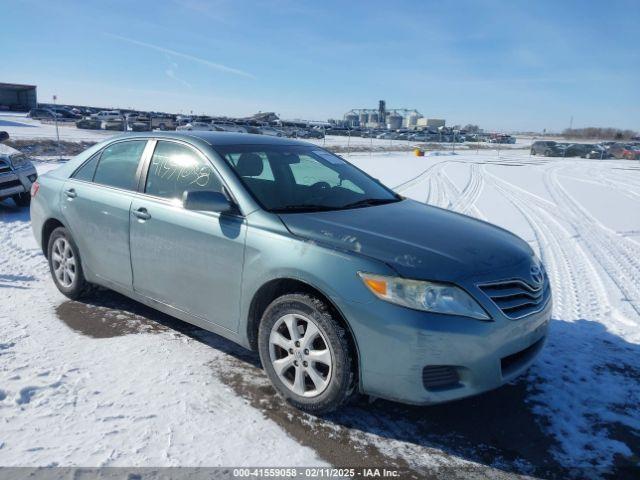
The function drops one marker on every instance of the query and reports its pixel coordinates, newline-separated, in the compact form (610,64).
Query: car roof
(219,138)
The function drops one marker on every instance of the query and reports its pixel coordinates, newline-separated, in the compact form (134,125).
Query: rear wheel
(306,353)
(22,199)
(65,265)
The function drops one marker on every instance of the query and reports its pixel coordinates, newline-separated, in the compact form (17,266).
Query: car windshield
(291,178)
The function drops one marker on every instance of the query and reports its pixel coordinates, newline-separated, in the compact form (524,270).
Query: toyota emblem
(537,277)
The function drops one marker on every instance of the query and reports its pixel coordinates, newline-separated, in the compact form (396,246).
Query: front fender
(273,253)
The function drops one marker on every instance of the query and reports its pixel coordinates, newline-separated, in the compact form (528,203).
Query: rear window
(86,171)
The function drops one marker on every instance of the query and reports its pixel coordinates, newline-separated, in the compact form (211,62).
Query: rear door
(186,259)
(96,202)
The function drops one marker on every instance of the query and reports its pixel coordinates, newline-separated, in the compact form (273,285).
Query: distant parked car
(117,125)
(598,152)
(43,114)
(66,113)
(203,126)
(162,122)
(229,127)
(273,132)
(418,137)
(139,126)
(315,133)
(548,148)
(386,136)
(578,149)
(89,124)
(252,129)
(106,115)
(625,151)
(502,139)
(17,174)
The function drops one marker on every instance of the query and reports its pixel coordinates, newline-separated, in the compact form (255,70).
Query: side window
(86,171)
(118,164)
(176,168)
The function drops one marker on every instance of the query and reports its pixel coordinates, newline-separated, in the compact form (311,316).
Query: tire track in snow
(572,275)
(417,179)
(617,255)
(577,352)
(465,203)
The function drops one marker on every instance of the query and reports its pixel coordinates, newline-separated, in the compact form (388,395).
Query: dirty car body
(434,305)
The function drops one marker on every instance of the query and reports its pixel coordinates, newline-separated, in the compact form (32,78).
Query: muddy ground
(496,431)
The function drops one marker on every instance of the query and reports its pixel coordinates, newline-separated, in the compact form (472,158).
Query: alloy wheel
(300,355)
(64,262)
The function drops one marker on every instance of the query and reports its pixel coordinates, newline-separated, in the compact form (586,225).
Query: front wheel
(65,265)
(306,353)
(22,199)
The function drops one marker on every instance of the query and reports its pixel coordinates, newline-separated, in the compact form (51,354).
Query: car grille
(440,377)
(10,184)
(4,167)
(516,298)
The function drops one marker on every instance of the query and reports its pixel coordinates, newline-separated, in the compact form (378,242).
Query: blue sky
(510,65)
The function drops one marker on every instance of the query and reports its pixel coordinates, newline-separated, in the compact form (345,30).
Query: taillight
(35,186)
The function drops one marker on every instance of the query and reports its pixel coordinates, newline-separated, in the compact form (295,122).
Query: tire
(22,199)
(533,152)
(77,286)
(334,382)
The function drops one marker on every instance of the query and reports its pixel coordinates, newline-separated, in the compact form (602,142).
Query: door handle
(71,193)
(142,213)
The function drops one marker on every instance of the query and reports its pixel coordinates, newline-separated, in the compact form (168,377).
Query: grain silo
(394,121)
(351,119)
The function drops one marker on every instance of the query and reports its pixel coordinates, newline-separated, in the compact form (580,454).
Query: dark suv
(547,148)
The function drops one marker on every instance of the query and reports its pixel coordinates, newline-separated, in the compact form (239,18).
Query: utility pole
(55,119)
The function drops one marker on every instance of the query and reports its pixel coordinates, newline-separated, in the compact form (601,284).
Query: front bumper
(395,345)
(17,181)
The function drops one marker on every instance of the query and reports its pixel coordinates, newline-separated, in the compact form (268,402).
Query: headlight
(422,295)
(19,161)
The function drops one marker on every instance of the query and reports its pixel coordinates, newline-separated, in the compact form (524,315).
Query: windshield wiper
(303,208)
(368,202)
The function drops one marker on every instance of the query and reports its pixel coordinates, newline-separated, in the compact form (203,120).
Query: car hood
(6,150)
(418,241)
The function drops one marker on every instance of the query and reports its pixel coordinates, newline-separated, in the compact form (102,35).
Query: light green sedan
(342,285)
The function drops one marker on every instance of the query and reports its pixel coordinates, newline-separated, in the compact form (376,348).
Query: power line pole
(55,119)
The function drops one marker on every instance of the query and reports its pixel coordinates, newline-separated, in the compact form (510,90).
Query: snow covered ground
(20,127)
(114,383)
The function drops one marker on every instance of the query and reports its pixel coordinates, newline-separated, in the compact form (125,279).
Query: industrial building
(383,117)
(431,122)
(17,98)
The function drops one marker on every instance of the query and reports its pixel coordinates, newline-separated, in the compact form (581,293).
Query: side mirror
(4,136)
(207,201)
